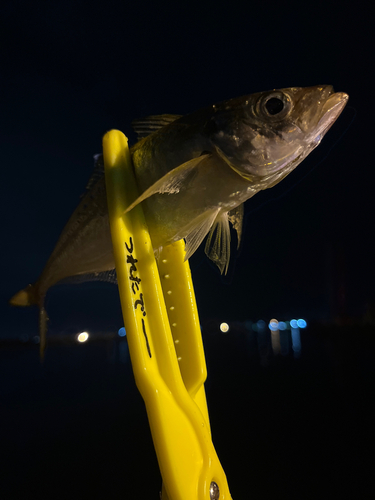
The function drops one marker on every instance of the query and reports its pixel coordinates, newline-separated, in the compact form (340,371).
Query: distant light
(293,323)
(275,336)
(36,339)
(273,325)
(224,327)
(82,337)
(282,325)
(296,342)
(301,323)
(261,324)
(121,332)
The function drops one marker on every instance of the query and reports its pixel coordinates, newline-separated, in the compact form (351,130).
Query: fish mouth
(330,111)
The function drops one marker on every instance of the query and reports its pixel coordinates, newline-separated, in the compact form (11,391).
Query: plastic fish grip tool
(164,338)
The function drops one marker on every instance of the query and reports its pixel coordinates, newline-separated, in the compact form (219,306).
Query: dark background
(69,72)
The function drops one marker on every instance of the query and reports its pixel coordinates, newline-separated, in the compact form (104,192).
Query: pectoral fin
(219,252)
(171,182)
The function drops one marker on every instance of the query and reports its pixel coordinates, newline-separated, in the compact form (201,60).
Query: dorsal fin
(146,126)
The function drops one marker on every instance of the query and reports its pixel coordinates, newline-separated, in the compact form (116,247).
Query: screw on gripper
(214,491)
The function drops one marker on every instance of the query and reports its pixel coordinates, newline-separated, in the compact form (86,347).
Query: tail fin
(27,297)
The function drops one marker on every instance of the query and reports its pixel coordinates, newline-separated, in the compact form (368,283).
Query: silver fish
(194,173)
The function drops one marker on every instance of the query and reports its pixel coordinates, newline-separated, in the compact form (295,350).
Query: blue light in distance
(296,342)
(301,323)
(293,323)
(282,325)
(261,325)
(121,332)
(273,325)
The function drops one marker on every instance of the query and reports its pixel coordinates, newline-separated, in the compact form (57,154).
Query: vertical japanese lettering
(135,286)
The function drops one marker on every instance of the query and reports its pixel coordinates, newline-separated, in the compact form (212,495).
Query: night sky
(70,72)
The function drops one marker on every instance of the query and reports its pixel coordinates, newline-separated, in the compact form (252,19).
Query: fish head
(270,133)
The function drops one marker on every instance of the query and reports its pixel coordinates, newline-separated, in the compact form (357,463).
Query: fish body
(194,173)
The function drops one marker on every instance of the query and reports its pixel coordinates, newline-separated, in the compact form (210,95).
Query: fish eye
(274,105)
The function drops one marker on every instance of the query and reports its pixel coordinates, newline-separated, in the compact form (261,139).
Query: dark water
(284,426)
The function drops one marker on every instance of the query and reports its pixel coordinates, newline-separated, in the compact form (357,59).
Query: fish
(194,174)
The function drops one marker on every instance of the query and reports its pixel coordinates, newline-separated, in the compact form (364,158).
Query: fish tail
(26,297)
(29,296)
